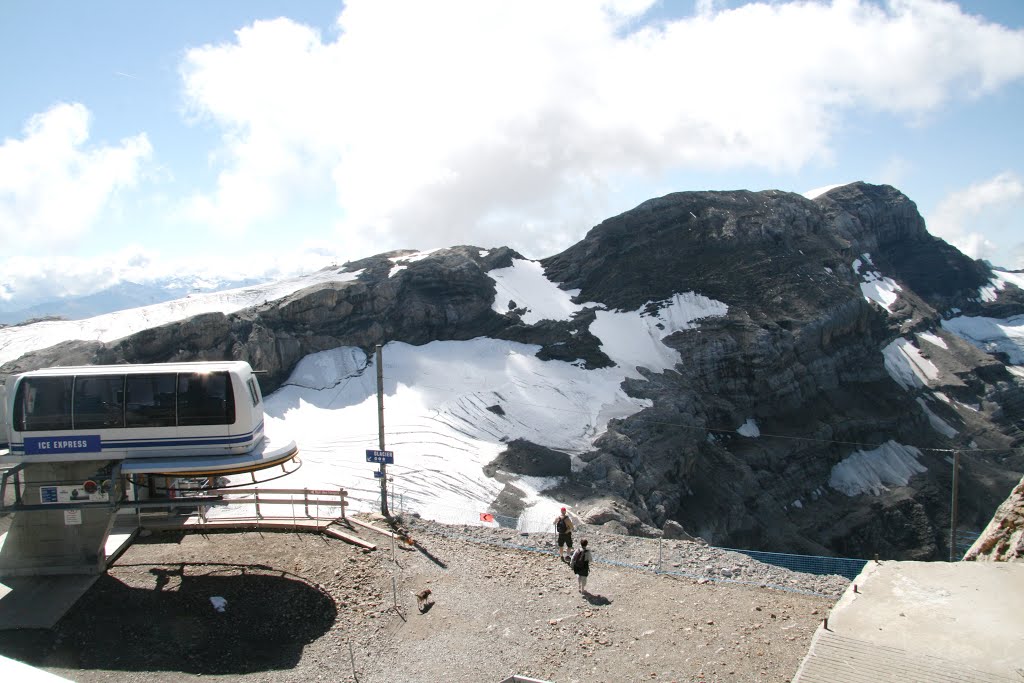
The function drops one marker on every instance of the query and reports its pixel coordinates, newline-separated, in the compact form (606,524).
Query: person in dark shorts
(563,525)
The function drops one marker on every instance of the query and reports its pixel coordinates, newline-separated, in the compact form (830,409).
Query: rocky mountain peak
(813,414)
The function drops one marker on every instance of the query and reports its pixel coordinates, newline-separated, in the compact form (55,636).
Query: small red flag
(486,517)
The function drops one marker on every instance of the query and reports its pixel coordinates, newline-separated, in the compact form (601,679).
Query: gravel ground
(302,607)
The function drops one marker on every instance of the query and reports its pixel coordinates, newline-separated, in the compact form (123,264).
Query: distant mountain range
(121,296)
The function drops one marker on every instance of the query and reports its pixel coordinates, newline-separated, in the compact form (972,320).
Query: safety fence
(964,540)
(808,564)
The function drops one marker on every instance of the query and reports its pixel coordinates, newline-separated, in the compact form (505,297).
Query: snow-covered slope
(450,406)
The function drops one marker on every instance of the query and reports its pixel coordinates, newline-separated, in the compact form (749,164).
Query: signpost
(383,457)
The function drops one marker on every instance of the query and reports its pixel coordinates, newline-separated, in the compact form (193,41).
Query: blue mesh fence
(964,540)
(808,564)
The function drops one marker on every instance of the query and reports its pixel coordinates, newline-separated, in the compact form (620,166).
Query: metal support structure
(11,474)
(953,506)
(117,493)
(380,431)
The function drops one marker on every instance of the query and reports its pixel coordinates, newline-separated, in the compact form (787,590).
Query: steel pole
(953,506)
(380,432)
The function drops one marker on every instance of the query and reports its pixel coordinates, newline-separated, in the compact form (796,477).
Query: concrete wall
(45,542)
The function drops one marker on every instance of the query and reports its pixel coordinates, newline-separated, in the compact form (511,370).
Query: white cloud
(507,124)
(894,172)
(29,279)
(53,184)
(983,218)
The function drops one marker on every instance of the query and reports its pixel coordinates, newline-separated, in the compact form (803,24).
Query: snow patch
(749,429)
(991,335)
(937,423)
(880,290)
(818,191)
(1000,278)
(891,464)
(989,293)
(413,258)
(633,339)
(319,371)
(524,283)
(905,364)
(933,339)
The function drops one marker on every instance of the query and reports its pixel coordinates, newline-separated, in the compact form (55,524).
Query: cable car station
(84,448)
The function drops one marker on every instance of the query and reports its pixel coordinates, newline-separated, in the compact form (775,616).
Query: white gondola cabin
(171,412)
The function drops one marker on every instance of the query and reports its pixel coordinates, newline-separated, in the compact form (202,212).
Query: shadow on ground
(172,625)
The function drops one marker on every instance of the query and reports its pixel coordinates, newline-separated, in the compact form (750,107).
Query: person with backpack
(580,565)
(563,525)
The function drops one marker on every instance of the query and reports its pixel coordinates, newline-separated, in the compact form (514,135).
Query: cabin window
(150,400)
(99,402)
(205,398)
(43,403)
(254,392)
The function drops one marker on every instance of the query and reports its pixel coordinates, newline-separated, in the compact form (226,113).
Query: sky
(250,138)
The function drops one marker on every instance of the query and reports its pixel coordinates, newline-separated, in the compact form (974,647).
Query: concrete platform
(13,670)
(924,621)
(41,601)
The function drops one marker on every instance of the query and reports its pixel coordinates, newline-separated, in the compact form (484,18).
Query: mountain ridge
(123,295)
(819,294)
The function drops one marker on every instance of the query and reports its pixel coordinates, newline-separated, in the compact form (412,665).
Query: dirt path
(302,607)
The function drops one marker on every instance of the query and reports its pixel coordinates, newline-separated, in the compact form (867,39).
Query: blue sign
(45,445)
(385,457)
(377,474)
(48,494)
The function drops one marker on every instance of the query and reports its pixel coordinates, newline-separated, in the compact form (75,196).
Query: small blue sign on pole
(384,457)
(377,474)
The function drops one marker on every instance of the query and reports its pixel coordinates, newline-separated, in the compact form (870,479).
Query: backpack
(576,561)
(560,525)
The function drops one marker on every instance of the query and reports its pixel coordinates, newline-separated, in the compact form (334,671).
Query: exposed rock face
(447,296)
(523,457)
(1003,538)
(800,353)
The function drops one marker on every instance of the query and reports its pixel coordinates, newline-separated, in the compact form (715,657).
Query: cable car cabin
(111,412)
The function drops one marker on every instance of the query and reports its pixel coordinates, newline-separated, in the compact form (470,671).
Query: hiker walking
(563,525)
(580,564)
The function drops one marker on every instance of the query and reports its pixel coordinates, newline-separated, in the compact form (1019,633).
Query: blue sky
(242,137)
